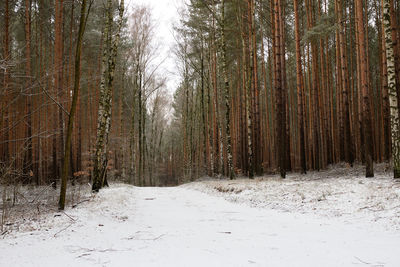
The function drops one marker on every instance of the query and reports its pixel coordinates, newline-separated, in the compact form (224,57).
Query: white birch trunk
(105,104)
(394,115)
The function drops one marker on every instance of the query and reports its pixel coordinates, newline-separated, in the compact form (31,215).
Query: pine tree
(366,112)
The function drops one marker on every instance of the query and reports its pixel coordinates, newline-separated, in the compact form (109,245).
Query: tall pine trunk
(28,158)
(366,111)
(346,138)
(6,83)
(300,86)
(280,102)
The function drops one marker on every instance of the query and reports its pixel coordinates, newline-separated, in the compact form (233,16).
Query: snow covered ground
(181,226)
(340,192)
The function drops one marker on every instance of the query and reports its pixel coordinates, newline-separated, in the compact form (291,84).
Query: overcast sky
(165,14)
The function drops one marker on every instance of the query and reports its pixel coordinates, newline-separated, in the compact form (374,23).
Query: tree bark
(6,54)
(346,138)
(391,72)
(227,96)
(28,158)
(366,112)
(64,175)
(280,103)
(105,103)
(300,85)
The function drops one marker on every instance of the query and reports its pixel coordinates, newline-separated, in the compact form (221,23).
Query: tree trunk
(366,112)
(391,72)
(346,138)
(300,85)
(105,104)
(59,70)
(64,176)
(28,158)
(227,96)
(280,103)
(6,54)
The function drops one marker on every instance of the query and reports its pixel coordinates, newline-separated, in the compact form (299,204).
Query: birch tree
(105,103)
(391,76)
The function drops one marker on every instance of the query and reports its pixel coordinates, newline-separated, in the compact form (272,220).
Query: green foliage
(325,26)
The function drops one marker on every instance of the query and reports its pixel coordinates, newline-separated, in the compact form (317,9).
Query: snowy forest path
(130,226)
(193,228)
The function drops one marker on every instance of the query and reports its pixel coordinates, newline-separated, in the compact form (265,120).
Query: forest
(281,86)
(265,86)
(199,133)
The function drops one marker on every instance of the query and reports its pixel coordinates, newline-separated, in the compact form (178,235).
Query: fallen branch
(367,263)
(40,193)
(158,237)
(63,229)
(80,202)
(88,250)
(145,239)
(83,255)
(69,216)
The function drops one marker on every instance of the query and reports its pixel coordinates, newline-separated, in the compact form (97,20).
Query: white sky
(165,14)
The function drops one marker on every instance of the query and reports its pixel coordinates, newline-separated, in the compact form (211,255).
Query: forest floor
(331,218)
